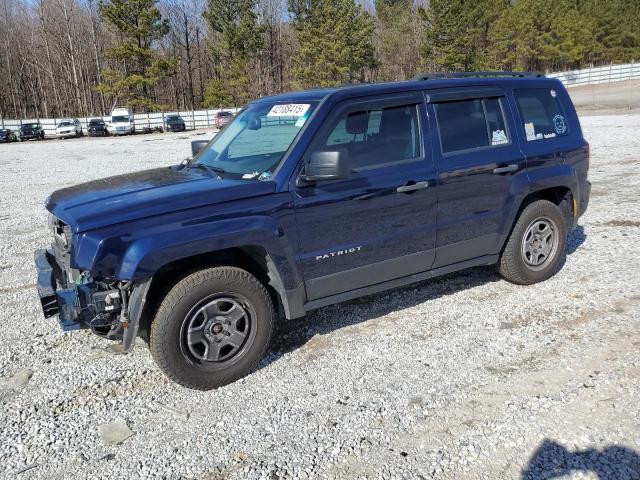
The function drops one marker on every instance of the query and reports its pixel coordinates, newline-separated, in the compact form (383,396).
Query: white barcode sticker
(289,110)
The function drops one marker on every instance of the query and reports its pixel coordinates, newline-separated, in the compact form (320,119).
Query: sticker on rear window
(530,130)
(289,110)
(559,124)
(499,137)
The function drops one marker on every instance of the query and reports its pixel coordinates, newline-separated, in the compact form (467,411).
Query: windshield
(30,125)
(257,139)
(2,131)
(173,119)
(65,124)
(96,122)
(120,119)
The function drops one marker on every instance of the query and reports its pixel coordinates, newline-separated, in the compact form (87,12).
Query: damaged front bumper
(78,305)
(113,313)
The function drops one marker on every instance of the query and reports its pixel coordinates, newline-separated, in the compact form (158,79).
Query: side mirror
(255,123)
(196,146)
(327,165)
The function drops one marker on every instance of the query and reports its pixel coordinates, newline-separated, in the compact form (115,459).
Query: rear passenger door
(378,224)
(480,168)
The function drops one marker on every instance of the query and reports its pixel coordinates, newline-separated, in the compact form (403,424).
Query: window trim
(369,103)
(453,153)
(521,118)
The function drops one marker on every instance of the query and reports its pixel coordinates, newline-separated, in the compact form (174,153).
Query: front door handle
(507,169)
(410,187)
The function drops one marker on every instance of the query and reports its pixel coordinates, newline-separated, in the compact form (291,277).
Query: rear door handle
(410,187)
(507,169)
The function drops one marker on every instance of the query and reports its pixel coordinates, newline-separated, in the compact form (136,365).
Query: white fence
(594,75)
(193,119)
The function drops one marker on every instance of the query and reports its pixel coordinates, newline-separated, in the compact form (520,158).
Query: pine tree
(457,32)
(238,38)
(334,39)
(138,67)
(397,39)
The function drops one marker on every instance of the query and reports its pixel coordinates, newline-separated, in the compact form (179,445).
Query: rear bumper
(585,194)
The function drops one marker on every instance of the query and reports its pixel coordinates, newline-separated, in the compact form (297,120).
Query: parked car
(174,123)
(29,131)
(97,128)
(122,122)
(222,118)
(7,135)
(313,198)
(69,128)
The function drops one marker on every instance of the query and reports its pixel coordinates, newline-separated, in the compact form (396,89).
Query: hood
(124,198)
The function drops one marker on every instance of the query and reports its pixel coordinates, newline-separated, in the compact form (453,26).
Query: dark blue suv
(312,198)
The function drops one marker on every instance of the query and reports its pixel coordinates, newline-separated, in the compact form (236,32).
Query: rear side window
(541,115)
(377,137)
(471,124)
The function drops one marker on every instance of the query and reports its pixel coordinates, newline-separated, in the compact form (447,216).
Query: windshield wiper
(208,168)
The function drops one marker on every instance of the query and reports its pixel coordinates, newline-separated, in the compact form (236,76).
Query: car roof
(364,89)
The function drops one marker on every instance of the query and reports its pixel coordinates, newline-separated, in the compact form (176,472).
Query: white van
(122,122)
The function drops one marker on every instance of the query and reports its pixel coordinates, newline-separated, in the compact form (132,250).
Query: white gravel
(466,377)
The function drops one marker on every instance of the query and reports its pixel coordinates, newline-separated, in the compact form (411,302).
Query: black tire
(527,245)
(170,337)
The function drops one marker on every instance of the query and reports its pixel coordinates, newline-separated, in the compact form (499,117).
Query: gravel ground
(466,377)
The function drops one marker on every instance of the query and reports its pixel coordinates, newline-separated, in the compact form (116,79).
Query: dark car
(222,118)
(97,128)
(7,135)
(30,131)
(313,198)
(174,123)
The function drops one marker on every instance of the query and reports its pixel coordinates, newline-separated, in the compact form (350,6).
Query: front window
(65,124)
(120,119)
(257,139)
(96,122)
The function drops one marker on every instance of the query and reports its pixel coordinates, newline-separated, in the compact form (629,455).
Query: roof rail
(438,75)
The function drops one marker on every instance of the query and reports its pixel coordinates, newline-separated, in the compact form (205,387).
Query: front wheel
(536,247)
(212,328)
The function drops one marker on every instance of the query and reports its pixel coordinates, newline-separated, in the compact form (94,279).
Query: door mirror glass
(196,146)
(328,165)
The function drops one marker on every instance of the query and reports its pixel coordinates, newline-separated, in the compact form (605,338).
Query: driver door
(379,223)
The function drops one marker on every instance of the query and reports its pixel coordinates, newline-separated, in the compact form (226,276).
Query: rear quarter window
(541,115)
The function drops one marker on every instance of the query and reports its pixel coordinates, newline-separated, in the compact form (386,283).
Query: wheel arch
(255,259)
(560,195)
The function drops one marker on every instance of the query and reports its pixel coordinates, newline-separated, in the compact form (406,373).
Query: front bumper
(78,305)
(72,133)
(54,300)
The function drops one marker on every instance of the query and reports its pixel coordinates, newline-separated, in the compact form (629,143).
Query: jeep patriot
(316,197)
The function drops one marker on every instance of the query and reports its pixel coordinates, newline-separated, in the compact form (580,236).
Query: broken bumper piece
(77,305)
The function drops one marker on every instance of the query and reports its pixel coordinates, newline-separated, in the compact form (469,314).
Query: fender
(560,175)
(137,250)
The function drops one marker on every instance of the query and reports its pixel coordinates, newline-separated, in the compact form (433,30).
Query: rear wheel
(536,246)
(212,328)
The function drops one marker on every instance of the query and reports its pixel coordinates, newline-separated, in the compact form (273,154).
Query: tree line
(81,57)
